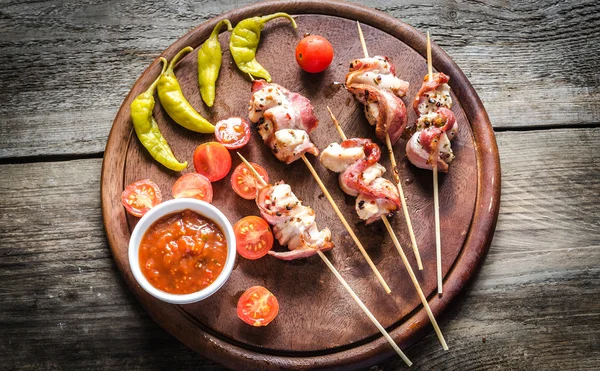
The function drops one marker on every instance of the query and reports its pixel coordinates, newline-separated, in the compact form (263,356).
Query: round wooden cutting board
(319,325)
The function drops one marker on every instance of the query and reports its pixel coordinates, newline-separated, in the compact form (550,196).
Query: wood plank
(68,66)
(533,305)
(63,303)
(532,63)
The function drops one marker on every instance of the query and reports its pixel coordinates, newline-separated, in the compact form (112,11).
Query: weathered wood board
(68,65)
(58,61)
(532,306)
(335,333)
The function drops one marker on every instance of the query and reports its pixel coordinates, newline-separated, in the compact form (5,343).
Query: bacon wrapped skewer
(373,82)
(284,120)
(436,127)
(360,176)
(293,223)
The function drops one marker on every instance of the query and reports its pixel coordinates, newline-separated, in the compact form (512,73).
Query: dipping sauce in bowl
(182,252)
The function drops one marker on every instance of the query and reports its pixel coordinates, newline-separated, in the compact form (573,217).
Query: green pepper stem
(178,56)
(215,31)
(267,18)
(153,86)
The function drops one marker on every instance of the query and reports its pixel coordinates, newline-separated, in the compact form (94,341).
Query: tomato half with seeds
(233,132)
(141,196)
(253,236)
(257,306)
(314,53)
(193,185)
(212,160)
(244,182)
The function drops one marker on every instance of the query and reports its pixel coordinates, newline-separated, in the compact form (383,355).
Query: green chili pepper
(172,99)
(244,42)
(209,63)
(147,129)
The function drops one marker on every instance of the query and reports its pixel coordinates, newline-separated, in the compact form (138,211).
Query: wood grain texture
(66,66)
(533,64)
(291,281)
(64,305)
(61,292)
(327,342)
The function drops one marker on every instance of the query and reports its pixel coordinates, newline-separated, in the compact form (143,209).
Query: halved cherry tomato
(233,132)
(212,160)
(244,183)
(141,196)
(257,306)
(253,236)
(314,53)
(193,185)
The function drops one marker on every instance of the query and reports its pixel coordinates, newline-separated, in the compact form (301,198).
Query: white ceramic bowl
(170,207)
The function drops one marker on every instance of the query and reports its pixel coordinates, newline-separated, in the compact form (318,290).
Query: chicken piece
(370,174)
(443,118)
(384,110)
(377,72)
(428,147)
(290,145)
(284,120)
(264,97)
(337,158)
(372,209)
(433,94)
(293,223)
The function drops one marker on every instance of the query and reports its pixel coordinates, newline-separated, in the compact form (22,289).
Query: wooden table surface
(65,68)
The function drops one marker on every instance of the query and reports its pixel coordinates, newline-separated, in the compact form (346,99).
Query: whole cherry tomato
(314,53)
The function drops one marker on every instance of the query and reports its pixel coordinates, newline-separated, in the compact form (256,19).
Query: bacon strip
(385,111)
(378,72)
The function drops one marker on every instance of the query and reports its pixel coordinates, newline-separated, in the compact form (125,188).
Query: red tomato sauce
(182,252)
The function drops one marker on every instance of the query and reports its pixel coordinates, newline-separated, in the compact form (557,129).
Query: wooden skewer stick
(404,259)
(343,282)
(429,62)
(253,170)
(365,309)
(436,198)
(338,127)
(411,233)
(438,238)
(388,143)
(345,223)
